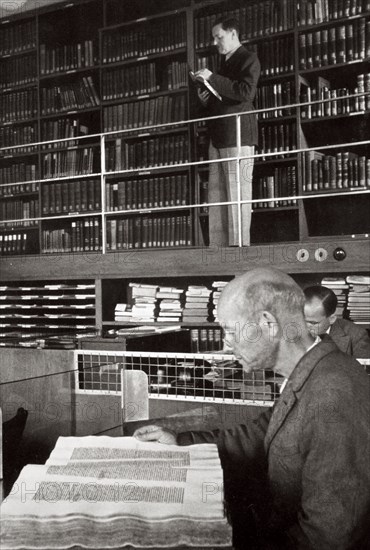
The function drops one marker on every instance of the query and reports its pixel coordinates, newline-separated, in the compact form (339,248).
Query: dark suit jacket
(350,338)
(236,82)
(316,444)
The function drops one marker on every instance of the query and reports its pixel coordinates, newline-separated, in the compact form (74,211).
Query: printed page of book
(150,494)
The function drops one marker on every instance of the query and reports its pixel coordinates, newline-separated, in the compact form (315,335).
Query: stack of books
(359,298)
(197,303)
(218,286)
(122,313)
(169,301)
(144,309)
(340,289)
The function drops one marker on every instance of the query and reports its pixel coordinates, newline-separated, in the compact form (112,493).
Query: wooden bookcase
(72,210)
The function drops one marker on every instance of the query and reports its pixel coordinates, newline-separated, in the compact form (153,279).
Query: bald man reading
(303,468)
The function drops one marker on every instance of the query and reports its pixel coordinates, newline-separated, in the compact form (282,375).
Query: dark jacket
(236,82)
(316,447)
(350,338)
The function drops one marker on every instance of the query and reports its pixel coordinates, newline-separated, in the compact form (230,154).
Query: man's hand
(155,433)
(203,74)
(203,96)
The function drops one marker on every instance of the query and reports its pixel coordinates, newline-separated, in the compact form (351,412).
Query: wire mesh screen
(187,376)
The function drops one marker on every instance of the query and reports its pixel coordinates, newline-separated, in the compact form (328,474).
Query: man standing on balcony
(236,82)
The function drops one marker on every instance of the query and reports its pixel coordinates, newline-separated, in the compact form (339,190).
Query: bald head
(262,289)
(261,313)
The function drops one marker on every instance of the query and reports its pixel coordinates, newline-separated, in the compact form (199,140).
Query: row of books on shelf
(158,151)
(205,339)
(71,196)
(73,162)
(15,135)
(209,61)
(16,39)
(14,243)
(275,95)
(276,56)
(18,71)
(18,189)
(151,37)
(147,112)
(22,171)
(147,193)
(63,128)
(339,103)
(277,137)
(67,57)
(147,78)
(77,236)
(312,12)
(341,44)
(80,94)
(342,171)
(18,106)
(21,209)
(257,19)
(149,232)
(283,183)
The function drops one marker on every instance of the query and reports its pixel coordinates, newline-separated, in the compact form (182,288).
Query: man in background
(236,82)
(319,311)
(303,467)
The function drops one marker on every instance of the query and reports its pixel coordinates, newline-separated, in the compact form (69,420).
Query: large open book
(103,492)
(203,84)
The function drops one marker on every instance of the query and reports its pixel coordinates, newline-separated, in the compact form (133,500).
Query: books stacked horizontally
(144,309)
(133,494)
(197,304)
(340,289)
(170,308)
(359,298)
(122,313)
(218,286)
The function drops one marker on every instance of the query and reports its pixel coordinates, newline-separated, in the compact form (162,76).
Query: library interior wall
(314,256)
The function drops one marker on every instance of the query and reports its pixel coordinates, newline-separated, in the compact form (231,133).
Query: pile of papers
(359,298)
(197,304)
(170,308)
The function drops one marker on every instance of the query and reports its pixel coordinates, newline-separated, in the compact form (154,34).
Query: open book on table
(105,492)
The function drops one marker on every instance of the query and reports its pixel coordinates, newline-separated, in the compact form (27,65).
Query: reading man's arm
(240,444)
(243,88)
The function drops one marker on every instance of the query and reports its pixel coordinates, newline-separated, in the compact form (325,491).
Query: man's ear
(332,318)
(269,322)
(267,317)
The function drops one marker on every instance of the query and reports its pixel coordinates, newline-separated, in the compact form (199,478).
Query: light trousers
(223,187)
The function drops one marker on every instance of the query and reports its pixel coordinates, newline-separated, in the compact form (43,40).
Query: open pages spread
(103,492)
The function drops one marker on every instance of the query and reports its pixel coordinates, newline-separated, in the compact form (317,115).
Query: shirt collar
(317,341)
(229,54)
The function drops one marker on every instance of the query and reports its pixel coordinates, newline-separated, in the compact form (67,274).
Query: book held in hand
(203,84)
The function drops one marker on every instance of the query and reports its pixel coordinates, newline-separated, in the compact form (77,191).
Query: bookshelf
(72,209)
(145,84)
(46,314)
